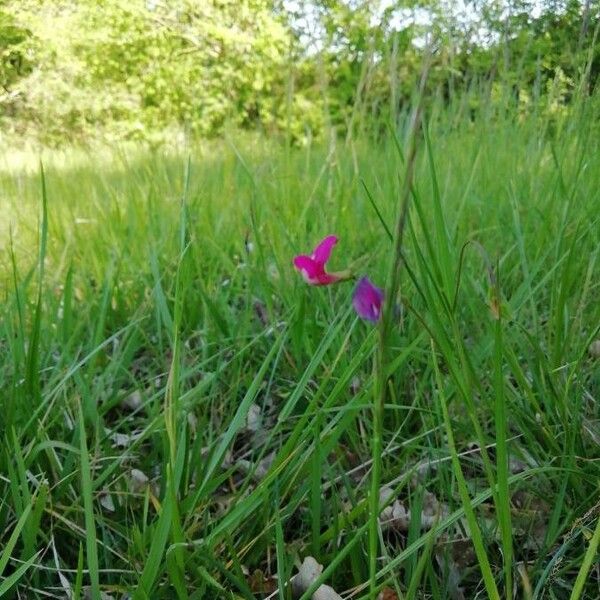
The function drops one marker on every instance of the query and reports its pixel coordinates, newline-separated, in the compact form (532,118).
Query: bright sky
(462,10)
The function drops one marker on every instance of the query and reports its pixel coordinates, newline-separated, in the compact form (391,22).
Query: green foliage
(136,69)
(166,71)
(16,60)
(196,64)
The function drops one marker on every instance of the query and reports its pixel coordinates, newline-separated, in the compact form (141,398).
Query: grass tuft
(183,417)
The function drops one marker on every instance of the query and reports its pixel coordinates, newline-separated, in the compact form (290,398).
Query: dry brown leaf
(530,519)
(260,584)
(396,516)
(261,312)
(254,421)
(454,590)
(227,457)
(123,440)
(133,402)
(308,573)
(525,500)
(516,465)
(262,468)
(433,511)
(461,551)
(138,481)
(107,502)
(594,349)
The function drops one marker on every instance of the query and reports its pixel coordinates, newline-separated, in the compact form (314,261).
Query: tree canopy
(74,70)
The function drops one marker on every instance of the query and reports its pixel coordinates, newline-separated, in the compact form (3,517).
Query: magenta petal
(367,300)
(312,268)
(309,269)
(323,250)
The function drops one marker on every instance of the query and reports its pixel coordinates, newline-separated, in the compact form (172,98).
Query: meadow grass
(182,417)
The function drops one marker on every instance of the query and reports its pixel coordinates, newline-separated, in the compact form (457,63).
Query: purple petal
(367,300)
(323,250)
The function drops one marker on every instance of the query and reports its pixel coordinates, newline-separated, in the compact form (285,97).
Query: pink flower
(367,300)
(312,267)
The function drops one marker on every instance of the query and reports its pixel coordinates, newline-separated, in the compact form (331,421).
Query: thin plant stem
(382,355)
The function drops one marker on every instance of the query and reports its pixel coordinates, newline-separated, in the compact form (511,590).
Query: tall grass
(150,306)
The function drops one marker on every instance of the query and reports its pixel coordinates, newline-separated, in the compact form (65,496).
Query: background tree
(152,70)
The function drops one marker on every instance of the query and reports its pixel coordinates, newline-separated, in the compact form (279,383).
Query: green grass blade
(475,532)
(88,507)
(12,540)
(586,564)
(503,505)
(13,578)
